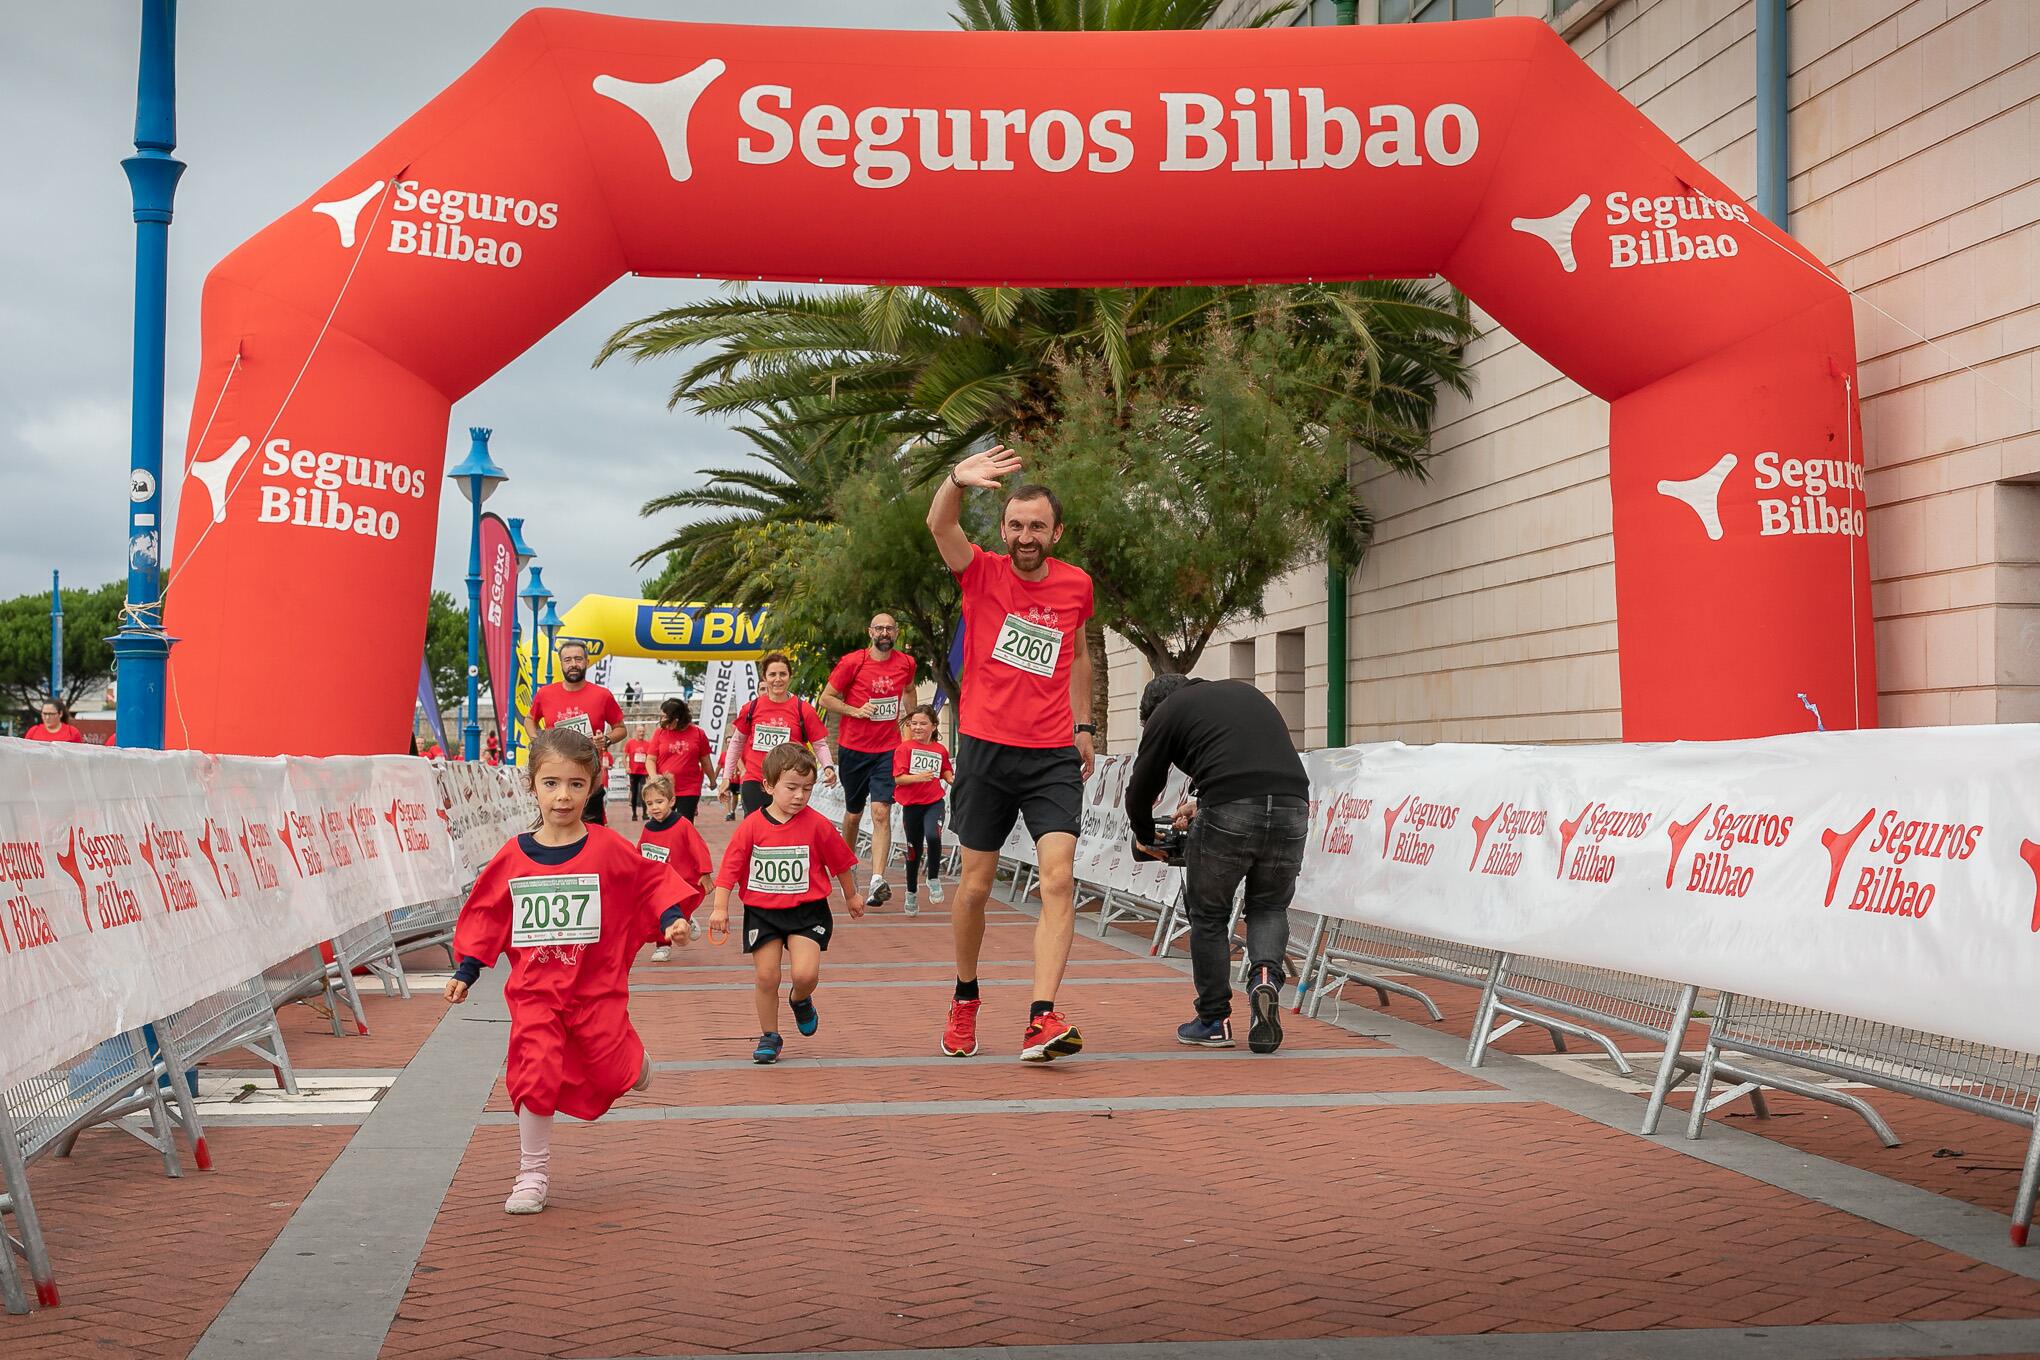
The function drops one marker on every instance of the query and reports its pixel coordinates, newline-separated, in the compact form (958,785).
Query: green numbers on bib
(1030,647)
(555,909)
(778,869)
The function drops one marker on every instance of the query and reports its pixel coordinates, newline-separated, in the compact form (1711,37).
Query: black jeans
(1260,841)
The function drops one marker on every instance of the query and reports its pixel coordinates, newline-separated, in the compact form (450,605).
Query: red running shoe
(1049,1037)
(959,1036)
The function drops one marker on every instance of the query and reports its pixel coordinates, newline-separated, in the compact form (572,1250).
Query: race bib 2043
(1030,647)
(555,909)
(778,869)
(765,736)
(886,709)
(924,762)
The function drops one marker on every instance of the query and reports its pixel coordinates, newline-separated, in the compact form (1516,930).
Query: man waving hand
(1026,742)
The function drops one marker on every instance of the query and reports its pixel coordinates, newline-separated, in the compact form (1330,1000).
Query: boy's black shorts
(808,921)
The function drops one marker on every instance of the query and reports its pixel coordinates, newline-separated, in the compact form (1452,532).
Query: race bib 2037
(555,909)
(765,736)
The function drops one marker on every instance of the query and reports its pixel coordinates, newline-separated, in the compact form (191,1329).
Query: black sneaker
(768,1048)
(1264,1035)
(1202,1033)
(805,1019)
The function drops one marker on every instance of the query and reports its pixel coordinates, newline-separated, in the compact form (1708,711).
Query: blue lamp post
(550,624)
(537,596)
(523,553)
(478,477)
(140,649)
(56,641)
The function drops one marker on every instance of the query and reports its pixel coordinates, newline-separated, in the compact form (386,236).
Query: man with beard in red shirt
(576,703)
(1026,741)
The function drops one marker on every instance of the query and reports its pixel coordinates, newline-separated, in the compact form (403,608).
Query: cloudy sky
(273,97)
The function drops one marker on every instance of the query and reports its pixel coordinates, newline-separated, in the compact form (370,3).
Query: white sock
(534,1141)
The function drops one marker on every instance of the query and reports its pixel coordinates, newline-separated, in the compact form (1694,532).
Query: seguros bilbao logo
(341,493)
(1803,500)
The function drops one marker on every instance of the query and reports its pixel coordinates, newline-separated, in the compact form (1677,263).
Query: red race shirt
(639,754)
(677,845)
(762,724)
(572,1047)
(924,754)
(887,684)
(774,864)
(590,710)
(678,755)
(64,733)
(1018,646)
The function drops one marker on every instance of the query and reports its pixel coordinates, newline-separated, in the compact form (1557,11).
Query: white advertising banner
(134,883)
(1892,875)
(727,687)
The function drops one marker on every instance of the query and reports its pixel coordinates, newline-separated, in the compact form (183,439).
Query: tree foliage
(91,617)
(446,653)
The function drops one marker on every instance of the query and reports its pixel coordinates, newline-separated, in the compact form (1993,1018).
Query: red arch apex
(581,147)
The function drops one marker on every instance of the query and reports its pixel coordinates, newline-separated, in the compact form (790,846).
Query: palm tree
(796,465)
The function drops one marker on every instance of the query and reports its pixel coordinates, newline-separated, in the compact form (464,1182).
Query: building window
(1288,695)
(1242,662)
(1315,14)
(1426,11)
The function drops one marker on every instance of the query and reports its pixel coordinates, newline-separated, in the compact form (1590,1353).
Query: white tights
(534,1142)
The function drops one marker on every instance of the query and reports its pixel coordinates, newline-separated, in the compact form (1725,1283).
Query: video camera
(1172,842)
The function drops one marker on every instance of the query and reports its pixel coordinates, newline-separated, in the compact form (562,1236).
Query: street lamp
(520,550)
(478,477)
(537,596)
(551,626)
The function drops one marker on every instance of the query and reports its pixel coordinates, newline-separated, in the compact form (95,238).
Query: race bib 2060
(778,869)
(555,909)
(1031,647)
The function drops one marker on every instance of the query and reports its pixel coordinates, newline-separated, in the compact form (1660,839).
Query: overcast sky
(273,97)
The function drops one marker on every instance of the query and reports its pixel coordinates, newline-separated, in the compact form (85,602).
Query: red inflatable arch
(580,148)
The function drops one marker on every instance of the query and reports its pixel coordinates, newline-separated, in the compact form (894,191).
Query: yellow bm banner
(612,626)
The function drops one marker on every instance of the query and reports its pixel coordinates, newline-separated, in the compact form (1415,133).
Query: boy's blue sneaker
(1201,1033)
(768,1048)
(804,1017)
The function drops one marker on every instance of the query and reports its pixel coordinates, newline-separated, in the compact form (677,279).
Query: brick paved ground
(1140,1193)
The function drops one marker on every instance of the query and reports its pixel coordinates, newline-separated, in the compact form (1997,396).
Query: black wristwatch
(1087,727)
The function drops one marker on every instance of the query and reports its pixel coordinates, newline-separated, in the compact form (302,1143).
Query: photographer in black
(1249,822)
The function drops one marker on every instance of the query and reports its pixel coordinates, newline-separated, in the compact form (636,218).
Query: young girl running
(920,768)
(680,751)
(672,840)
(570,903)
(774,717)
(783,856)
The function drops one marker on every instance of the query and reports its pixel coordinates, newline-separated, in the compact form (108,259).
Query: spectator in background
(54,726)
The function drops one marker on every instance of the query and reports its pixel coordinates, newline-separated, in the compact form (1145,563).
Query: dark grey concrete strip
(329,1286)
(1855,1341)
(1185,1054)
(872,1109)
(832,966)
(283,1121)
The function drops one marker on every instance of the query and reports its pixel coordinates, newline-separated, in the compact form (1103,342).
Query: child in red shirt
(780,861)
(672,840)
(920,768)
(570,903)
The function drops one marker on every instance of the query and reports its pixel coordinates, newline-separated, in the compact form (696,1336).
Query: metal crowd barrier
(1978,1078)
(429,926)
(44,1115)
(237,1018)
(1558,996)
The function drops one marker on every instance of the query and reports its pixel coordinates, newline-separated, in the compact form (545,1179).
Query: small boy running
(920,768)
(780,861)
(570,903)
(672,840)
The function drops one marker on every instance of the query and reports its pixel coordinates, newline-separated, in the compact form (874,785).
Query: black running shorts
(809,921)
(996,783)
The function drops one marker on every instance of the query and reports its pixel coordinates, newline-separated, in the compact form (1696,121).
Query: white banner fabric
(727,687)
(1891,875)
(134,883)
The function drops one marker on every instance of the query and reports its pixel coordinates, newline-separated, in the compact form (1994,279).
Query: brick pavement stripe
(1984,1340)
(901,1109)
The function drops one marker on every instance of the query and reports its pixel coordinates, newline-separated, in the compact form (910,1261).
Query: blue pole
(141,650)
(1773,66)
(56,640)
(471,727)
